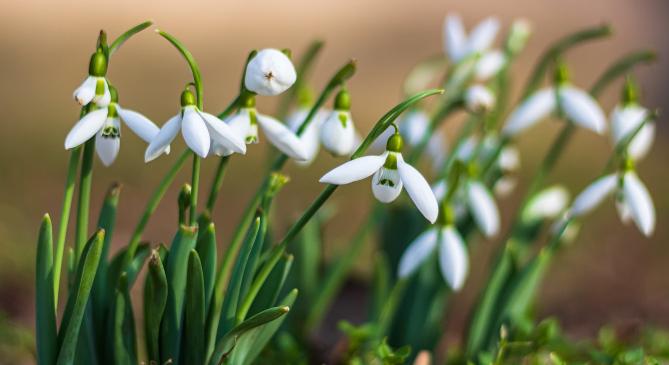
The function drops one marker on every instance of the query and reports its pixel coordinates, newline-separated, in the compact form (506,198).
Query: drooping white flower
(337,134)
(451,249)
(245,125)
(625,120)
(548,203)
(483,208)
(490,63)
(518,35)
(458,45)
(577,105)
(310,137)
(479,99)
(390,175)
(508,162)
(104,124)
(198,128)
(269,73)
(632,193)
(95,87)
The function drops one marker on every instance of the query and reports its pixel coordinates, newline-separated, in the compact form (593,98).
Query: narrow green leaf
(258,282)
(176,271)
(271,289)
(69,332)
(45,310)
(132,270)
(206,249)
(118,42)
(234,336)
(155,299)
(251,266)
(124,338)
(194,320)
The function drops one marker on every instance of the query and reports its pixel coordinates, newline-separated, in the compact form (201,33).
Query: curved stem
(217,182)
(197,77)
(195,183)
(118,42)
(306,62)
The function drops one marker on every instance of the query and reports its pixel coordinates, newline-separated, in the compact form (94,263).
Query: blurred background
(611,274)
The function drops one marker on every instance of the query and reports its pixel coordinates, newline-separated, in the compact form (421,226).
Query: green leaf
(123,320)
(251,266)
(136,264)
(194,321)
(129,33)
(45,310)
(232,293)
(155,299)
(206,249)
(176,271)
(271,287)
(76,306)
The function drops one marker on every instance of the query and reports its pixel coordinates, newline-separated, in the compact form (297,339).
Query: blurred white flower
(577,105)
(458,45)
(198,128)
(548,203)
(479,99)
(269,73)
(95,87)
(338,135)
(310,137)
(391,173)
(483,208)
(625,120)
(104,124)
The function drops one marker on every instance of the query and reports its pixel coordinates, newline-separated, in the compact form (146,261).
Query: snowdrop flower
(547,204)
(489,65)
(310,136)
(625,120)
(95,87)
(459,46)
(198,128)
(479,99)
(104,124)
(390,174)
(338,135)
(518,34)
(245,125)
(577,105)
(451,249)
(269,72)
(630,192)
(483,208)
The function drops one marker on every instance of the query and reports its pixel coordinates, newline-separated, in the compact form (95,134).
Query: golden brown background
(611,274)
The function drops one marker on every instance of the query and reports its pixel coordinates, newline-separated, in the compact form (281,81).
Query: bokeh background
(611,274)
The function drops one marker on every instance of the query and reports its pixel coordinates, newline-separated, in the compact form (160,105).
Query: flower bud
(187,98)
(98,64)
(269,73)
(518,35)
(479,99)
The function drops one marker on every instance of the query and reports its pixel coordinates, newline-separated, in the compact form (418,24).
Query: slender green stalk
(151,206)
(303,68)
(217,183)
(118,42)
(83,204)
(65,218)
(195,183)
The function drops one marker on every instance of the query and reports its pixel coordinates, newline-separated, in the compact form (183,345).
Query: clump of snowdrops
(262,299)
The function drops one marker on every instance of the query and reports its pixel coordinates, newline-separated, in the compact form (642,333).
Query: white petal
(505,186)
(139,124)
(107,147)
(642,142)
(593,195)
(104,99)
(453,258)
(413,126)
(535,108)
(354,170)
(466,149)
(86,128)
(509,159)
(489,65)
(482,37)
(439,189)
(222,134)
(282,138)
(582,109)
(455,37)
(623,209)
(386,185)
(417,252)
(640,204)
(195,132)
(270,72)
(419,190)
(548,203)
(338,133)
(241,125)
(483,208)
(161,143)
(86,92)
(479,99)
(625,120)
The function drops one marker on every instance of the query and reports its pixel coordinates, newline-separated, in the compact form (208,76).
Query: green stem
(197,78)
(195,183)
(72,166)
(83,204)
(118,42)
(217,182)
(151,206)
(306,62)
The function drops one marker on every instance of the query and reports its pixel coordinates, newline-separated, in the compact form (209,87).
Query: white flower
(104,124)
(198,128)
(391,173)
(633,194)
(578,106)
(518,35)
(479,99)
(95,87)
(310,136)
(548,203)
(338,134)
(458,45)
(245,125)
(453,258)
(269,73)
(490,63)
(625,120)
(483,208)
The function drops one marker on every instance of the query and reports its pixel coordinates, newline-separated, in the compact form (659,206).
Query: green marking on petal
(391,162)
(253,116)
(343,119)
(100,86)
